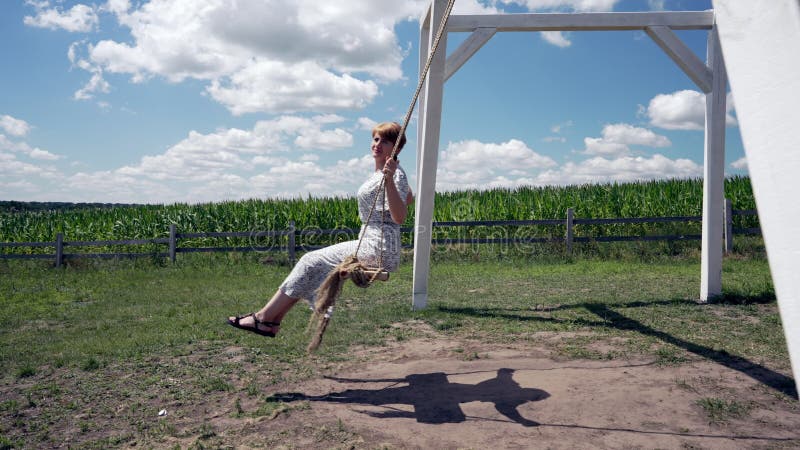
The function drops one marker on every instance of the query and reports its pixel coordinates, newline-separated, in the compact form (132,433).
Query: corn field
(639,199)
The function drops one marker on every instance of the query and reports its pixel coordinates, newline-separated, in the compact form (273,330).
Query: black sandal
(255,327)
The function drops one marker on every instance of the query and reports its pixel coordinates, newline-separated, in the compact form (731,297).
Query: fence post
(59,249)
(173,243)
(569,236)
(728,226)
(291,244)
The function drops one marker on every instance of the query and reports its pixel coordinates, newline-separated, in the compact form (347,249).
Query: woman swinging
(380,236)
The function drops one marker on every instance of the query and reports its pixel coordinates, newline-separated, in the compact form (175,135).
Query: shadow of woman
(434,398)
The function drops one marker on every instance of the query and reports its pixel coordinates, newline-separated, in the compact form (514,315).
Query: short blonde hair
(390,131)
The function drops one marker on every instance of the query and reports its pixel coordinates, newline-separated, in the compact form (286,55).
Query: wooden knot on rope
(361,275)
(327,293)
(358,274)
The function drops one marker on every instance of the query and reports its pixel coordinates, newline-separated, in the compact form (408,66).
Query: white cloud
(473,164)
(74,59)
(740,163)
(9,188)
(113,186)
(628,134)
(309,133)
(8,144)
(23,147)
(559,38)
(12,169)
(286,56)
(472,154)
(13,126)
(616,139)
(474,7)
(279,57)
(682,110)
(96,84)
(116,186)
(623,169)
(559,126)
(38,153)
(119,7)
(304,177)
(365,123)
(325,140)
(275,87)
(556,38)
(599,146)
(565,5)
(269,160)
(79,18)
(556,129)
(204,157)
(234,163)
(256,163)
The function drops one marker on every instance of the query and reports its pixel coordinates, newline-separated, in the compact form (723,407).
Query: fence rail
(291,234)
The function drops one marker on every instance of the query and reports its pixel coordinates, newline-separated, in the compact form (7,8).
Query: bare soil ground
(436,392)
(445,394)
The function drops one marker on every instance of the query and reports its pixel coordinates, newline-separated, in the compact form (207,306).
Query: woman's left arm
(397,207)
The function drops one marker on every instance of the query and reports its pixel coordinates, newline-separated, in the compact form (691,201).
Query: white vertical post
(713,174)
(424,39)
(428,160)
(761,42)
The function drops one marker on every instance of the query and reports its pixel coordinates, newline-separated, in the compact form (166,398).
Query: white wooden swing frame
(761,43)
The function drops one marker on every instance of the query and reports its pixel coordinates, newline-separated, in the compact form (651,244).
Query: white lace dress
(311,270)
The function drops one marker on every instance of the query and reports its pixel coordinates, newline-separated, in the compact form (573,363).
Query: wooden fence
(291,234)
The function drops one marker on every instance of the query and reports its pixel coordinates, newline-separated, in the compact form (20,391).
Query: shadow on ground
(613,319)
(434,398)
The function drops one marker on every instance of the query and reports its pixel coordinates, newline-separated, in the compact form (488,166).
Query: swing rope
(351,267)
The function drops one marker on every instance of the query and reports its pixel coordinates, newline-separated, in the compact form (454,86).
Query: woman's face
(381,148)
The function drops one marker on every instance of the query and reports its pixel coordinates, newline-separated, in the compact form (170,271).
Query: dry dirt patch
(431,392)
(425,394)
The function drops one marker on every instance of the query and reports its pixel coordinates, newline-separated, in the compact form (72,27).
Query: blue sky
(168,101)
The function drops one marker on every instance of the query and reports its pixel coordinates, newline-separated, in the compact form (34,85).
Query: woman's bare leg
(276,308)
(273,311)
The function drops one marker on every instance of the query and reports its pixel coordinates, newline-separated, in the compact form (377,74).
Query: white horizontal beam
(465,51)
(677,20)
(693,66)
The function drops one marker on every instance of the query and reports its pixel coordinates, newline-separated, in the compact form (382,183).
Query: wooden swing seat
(371,272)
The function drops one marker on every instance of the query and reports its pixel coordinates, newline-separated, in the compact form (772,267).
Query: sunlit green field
(642,199)
(90,352)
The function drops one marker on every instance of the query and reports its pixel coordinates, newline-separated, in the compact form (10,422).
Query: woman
(381,236)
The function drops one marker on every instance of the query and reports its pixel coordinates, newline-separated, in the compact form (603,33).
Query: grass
(112,343)
(130,310)
(720,410)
